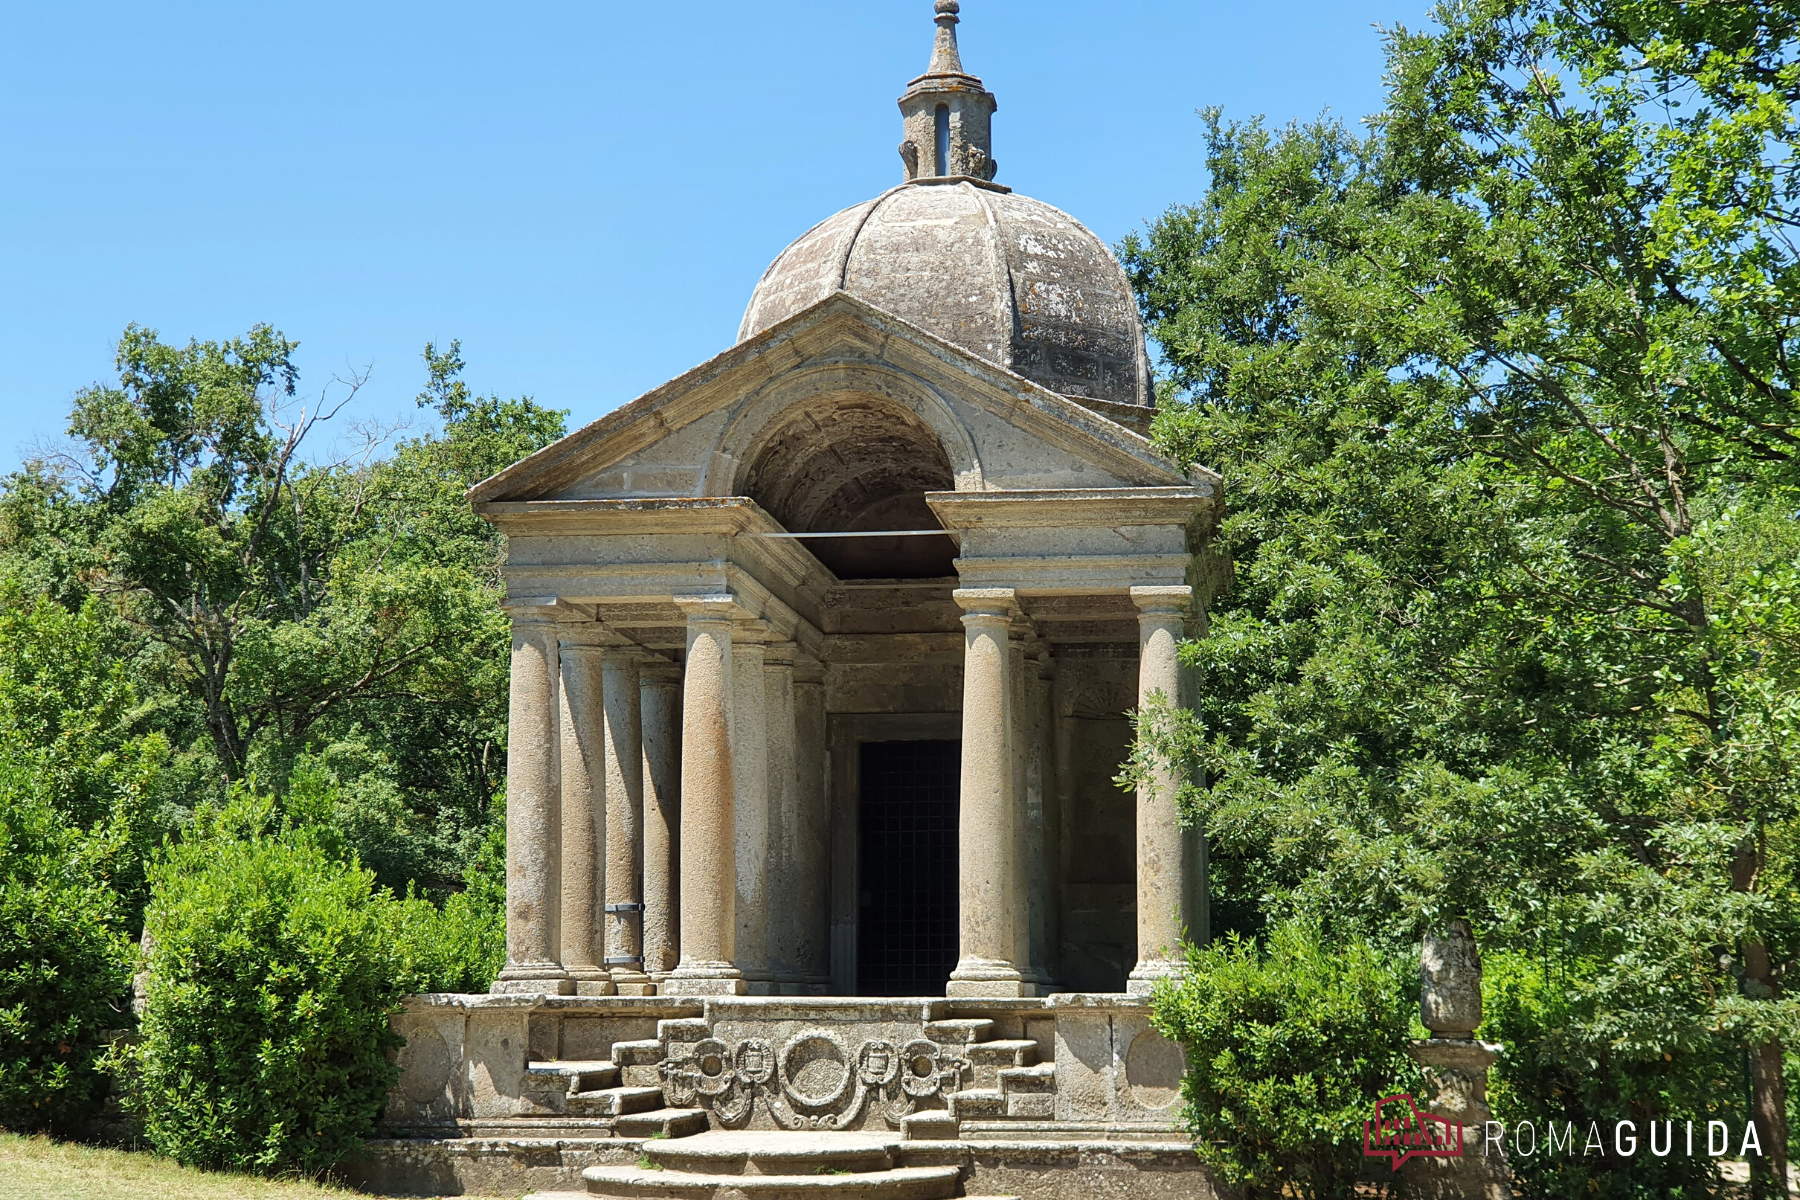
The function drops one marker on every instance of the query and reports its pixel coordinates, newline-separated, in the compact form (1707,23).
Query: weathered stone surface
(1450,978)
(1008,278)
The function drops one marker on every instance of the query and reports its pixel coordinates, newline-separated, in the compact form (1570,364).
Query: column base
(704,979)
(985,977)
(630,982)
(591,983)
(548,985)
(1146,975)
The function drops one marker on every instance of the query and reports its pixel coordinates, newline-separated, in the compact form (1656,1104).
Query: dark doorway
(906,932)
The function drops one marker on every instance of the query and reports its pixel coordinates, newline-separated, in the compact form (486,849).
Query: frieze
(814,1082)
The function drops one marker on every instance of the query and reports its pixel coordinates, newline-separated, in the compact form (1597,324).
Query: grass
(37,1168)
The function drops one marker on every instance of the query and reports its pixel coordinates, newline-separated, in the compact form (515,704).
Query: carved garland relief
(814,1083)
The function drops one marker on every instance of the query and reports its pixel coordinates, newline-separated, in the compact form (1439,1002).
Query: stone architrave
(661,719)
(533,810)
(1163,847)
(624,753)
(583,778)
(986,810)
(708,830)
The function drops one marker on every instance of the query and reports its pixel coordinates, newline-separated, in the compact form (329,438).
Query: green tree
(1502,390)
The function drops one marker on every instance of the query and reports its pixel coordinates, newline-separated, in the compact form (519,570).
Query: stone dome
(1010,279)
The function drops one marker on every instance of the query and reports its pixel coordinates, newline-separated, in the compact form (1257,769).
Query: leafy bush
(273,971)
(1561,1066)
(457,948)
(63,965)
(1289,1046)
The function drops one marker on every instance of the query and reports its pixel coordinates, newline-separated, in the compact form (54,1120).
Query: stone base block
(528,987)
(980,988)
(677,986)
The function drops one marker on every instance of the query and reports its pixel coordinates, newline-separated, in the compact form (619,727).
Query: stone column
(1041,815)
(1018,732)
(533,812)
(661,708)
(985,820)
(780,880)
(623,742)
(750,775)
(812,937)
(583,775)
(1163,849)
(708,830)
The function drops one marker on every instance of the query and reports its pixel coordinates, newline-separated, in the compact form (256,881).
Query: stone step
(1031,1106)
(682,1029)
(1003,1052)
(661,1123)
(905,1183)
(960,1030)
(1038,1079)
(645,1053)
(771,1153)
(615,1101)
(933,1125)
(975,1103)
(581,1076)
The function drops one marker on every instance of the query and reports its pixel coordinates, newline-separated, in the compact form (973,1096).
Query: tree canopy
(1500,388)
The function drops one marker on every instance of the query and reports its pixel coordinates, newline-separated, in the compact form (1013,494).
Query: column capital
(1163,601)
(708,608)
(986,605)
(780,654)
(752,631)
(540,610)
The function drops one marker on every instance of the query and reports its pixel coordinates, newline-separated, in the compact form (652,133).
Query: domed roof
(1007,278)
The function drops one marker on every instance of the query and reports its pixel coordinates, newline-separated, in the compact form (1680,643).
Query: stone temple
(824,654)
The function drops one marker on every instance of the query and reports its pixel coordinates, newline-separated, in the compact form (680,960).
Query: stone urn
(1450,982)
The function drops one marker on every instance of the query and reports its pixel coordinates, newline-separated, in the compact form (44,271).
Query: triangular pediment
(688,437)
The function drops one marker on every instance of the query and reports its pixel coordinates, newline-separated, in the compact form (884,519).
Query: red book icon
(1400,1131)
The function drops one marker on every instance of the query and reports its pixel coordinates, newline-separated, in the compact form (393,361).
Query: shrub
(273,972)
(1560,1067)
(1289,1046)
(457,948)
(63,965)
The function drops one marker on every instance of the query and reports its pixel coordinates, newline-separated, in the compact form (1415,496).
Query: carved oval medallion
(1153,1069)
(815,1070)
(712,1067)
(425,1066)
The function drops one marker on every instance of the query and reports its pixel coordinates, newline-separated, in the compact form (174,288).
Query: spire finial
(947,114)
(945,59)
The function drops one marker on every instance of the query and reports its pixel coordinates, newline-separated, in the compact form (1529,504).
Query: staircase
(1007,1082)
(769,1166)
(613,1094)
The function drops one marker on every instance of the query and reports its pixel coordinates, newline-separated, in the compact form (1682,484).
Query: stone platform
(775,1097)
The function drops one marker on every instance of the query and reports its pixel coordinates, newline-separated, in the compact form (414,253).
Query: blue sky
(584,194)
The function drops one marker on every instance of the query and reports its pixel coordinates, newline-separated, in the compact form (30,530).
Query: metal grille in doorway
(906,941)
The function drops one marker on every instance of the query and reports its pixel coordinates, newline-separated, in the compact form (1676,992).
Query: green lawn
(40,1169)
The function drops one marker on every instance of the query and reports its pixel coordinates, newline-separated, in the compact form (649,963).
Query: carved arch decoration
(756,418)
(850,448)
